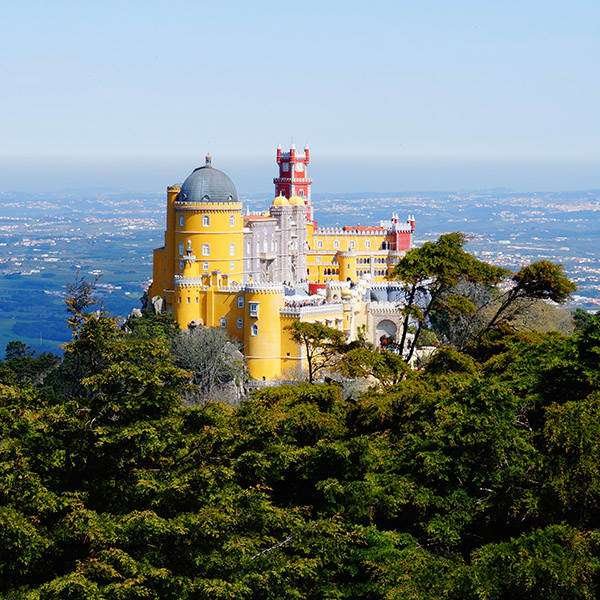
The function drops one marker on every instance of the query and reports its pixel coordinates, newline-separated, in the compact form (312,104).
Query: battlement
(197,282)
(296,311)
(264,288)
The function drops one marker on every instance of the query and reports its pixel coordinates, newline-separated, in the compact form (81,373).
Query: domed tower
(204,235)
(208,217)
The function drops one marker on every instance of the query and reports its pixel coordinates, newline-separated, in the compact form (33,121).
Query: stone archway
(386,328)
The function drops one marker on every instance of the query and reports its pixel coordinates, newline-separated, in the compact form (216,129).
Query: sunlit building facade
(253,274)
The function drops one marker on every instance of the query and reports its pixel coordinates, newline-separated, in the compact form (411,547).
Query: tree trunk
(405,323)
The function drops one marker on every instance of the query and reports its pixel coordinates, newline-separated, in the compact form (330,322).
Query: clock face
(300,167)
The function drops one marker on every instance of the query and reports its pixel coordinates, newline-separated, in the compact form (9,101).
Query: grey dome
(206,184)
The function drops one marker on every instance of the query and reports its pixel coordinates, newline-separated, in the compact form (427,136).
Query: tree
(541,280)
(321,345)
(388,368)
(81,296)
(430,275)
(211,357)
(16,349)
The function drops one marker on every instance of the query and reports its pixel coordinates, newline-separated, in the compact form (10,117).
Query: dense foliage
(466,299)
(475,478)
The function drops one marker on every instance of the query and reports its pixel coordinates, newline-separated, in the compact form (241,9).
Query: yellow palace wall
(339,256)
(204,288)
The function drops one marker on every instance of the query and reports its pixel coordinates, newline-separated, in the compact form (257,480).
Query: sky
(390,95)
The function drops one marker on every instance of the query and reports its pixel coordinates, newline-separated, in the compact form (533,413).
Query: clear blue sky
(427,94)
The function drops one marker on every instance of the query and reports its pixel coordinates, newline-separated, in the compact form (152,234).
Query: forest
(473,474)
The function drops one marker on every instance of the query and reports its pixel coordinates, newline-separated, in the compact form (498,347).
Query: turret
(293,178)
(262,331)
(412,222)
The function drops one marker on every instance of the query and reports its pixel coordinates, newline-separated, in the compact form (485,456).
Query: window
(318,260)
(336,243)
(301,193)
(285,167)
(180,247)
(248,248)
(189,300)
(181,220)
(231,220)
(205,250)
(205,220)
(232,265)
(254,329)
(240,301)
(239,323)
(320,244)
(223,322)
(367,243)
(181,264)
(253,309)
(205,266)
(351,245)
(231,249)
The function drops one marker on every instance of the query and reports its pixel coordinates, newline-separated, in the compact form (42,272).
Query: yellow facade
(338,255)
(199,276)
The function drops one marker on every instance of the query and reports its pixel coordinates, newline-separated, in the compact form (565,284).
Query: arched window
(181,220)
(180,248)
(223,322)
(231,249)
(239,323)
(205,250)
(254,329)
(231,220)
(205,220)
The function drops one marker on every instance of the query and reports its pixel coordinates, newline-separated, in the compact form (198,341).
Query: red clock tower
(293,177)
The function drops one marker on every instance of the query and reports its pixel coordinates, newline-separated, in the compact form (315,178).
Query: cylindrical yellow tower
(347,262)
(187,305)
(262,330)
(208,216)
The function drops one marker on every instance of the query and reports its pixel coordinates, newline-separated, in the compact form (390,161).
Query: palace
(254,274)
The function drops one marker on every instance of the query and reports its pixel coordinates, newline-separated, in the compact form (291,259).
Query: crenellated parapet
(208,206)
(263,288)
(324,309)
(188,282)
